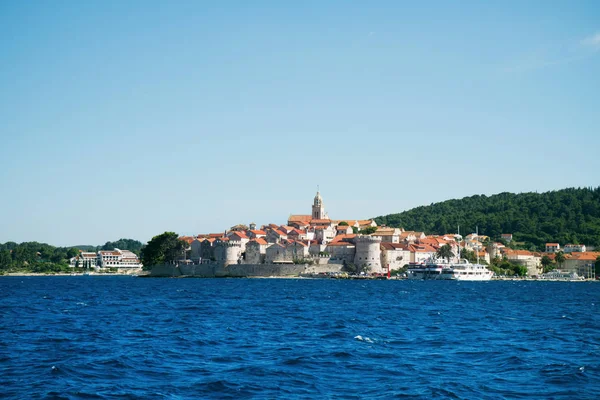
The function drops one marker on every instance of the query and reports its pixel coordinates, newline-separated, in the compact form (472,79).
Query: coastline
(70,274)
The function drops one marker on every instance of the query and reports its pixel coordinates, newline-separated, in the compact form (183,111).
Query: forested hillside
(564,216)
(42,257)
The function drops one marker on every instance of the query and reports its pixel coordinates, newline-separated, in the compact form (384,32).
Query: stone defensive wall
(239,270)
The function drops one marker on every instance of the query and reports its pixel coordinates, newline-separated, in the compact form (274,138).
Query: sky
(125,119)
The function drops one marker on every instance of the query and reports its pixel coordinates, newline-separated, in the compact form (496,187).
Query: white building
(118,259)
(85,259)
(575,248)
(552,247)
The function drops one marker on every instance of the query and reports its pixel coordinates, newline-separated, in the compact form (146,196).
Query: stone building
(368,252)
(256,250)
(397,255)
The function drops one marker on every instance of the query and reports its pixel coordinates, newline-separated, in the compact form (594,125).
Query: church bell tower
(318,208)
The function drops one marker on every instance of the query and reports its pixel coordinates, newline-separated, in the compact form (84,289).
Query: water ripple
(124,338)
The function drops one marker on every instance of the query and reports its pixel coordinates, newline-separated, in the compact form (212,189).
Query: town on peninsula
(314,245)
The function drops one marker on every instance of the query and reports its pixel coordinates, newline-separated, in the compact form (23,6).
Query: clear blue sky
(130,118)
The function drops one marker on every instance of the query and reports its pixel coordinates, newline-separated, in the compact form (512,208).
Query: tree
(343,223)
(369,230)
(6,259)
(163,248)
(519,270)
(239,227)
(354,230)
(564,216)
(559,257)
(445,252)
(547,264)
(356,269)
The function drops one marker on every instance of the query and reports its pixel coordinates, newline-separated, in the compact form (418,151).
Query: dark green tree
(343,223)
(534,219)
(369,230)
(163,248)
(445,252)
(559,257)
(547,264)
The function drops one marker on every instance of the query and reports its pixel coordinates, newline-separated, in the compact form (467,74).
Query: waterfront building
(122,259)
(532,261)
(85,259)
(581,263)
(396,255)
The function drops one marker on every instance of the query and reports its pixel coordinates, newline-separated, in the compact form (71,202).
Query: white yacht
(457,271)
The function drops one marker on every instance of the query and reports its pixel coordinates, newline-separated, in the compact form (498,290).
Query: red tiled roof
(585,256)
(259,241)
(343,238)
(278,232)
(320,221)
(339,244)
(394,246)
(300,218)
(240,234)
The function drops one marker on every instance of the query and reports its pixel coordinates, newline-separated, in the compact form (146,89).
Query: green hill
(564,216)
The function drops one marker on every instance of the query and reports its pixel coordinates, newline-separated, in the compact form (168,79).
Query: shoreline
(145,274)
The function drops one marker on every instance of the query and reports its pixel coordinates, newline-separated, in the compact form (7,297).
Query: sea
(120,337)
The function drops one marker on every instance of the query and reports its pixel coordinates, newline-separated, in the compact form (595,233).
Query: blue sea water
(129,338)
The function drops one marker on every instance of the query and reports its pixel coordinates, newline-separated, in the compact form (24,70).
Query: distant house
(420,253)
(84,260)
(257,233)
(343,230)
(388,235)
(508,237)
(256,251)
(394,255)
(574,248)
(275,235)
(552,247)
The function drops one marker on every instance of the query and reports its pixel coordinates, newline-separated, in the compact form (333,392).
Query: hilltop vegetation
(564,216)
(44,258)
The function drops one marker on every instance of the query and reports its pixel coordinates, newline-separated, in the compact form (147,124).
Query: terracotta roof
(187,239)
(258,232)
(300,218)
(552,244)
(421,248)
(320,221)
(520,252)
(343,238)
(339,244)
(585,256)
(278,232)
(258,240)
(240,234)
(394,246)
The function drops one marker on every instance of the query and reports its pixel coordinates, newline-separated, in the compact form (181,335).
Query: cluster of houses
(106,259)
(316,238)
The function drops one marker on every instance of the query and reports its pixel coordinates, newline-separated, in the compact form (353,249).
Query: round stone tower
(232,251)
(368,252)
